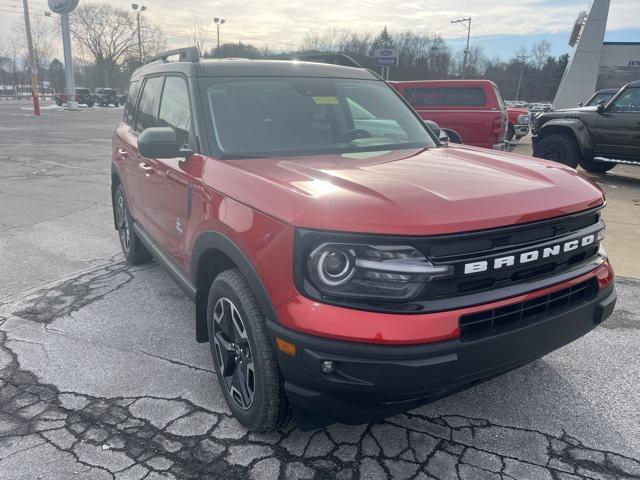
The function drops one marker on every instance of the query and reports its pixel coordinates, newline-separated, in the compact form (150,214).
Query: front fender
(575,126)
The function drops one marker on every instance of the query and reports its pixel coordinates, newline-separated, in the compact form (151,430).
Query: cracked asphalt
(101,378)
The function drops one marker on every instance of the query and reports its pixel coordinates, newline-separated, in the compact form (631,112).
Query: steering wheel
(353,134)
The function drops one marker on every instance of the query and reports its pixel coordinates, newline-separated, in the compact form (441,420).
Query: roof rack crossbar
(331,58)
(186,54)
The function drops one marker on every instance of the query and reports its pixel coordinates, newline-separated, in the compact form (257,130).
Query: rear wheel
(559,148)
(243,355)
(133,249)
(58,102)
(596,166)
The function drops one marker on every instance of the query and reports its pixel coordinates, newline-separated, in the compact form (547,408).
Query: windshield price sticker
(325,100)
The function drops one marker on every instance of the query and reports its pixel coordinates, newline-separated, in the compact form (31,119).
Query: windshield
(600,97)
(277,116)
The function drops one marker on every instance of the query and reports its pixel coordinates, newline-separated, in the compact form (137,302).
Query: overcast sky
(499,26)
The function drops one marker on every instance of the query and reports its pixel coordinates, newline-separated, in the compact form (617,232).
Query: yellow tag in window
(325,100)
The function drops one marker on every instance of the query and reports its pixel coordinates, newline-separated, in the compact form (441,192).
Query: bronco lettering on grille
(529,256)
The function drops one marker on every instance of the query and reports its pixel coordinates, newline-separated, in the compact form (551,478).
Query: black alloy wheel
(233,353)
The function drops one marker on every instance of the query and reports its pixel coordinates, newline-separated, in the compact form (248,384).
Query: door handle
(123,153)
(145,168)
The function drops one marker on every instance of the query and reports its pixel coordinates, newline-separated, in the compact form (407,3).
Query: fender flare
(211,240)
(577,128)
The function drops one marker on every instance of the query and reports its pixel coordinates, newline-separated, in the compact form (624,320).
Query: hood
(409,192)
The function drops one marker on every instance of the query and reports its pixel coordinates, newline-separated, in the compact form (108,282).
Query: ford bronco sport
(342,260)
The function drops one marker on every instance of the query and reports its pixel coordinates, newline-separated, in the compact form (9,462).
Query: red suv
(470,111)
(340,258)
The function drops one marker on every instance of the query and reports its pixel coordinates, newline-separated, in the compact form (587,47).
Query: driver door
(618,128)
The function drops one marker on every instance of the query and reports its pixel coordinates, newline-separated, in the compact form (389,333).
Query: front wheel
(596,166)
(559,148)
(243,355)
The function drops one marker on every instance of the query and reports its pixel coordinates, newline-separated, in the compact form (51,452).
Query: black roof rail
(187,54)
(332,58)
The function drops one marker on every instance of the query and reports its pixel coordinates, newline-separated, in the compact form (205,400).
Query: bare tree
(42,33)
(540,51)
(200,32)
(107,32)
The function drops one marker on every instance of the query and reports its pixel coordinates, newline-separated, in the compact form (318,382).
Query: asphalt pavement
(101,377)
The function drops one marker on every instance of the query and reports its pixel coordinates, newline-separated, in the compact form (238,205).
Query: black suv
(595,137)
(107,96)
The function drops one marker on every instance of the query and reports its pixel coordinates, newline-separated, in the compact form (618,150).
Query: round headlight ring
(339,278)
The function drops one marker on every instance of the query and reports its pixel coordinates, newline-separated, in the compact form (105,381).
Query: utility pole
(522,58)
(32,59)
(466,50)
(138,12)
(218,21)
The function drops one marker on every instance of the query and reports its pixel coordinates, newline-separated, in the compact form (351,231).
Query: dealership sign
(63,6)
(385,57)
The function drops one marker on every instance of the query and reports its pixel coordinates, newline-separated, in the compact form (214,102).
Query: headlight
(373,272)
(523,119)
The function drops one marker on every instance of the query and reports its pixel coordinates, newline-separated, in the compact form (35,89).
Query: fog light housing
(326,366)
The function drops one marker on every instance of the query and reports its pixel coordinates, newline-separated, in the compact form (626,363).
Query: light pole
(138,12)
(218,22)
(32,60)
(466,50)
(523,59)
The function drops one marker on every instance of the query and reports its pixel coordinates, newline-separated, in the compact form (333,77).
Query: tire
(58,102)
(559,148)
(132,248)
(252,386)
(453,137)
(89,104)
(116,104)
(596,166)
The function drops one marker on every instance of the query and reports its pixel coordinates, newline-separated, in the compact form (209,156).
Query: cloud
(283,24)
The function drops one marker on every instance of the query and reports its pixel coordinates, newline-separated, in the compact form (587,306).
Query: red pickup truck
(470,111)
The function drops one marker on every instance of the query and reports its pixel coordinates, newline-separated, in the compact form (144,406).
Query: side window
(174,108)
(628,102)
(443,96)
(146,116)
(132,98)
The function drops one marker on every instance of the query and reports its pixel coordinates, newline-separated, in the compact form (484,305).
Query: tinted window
(628,102)
(174,108)
(305,116)
(441,96)
(146,116)
(130,106)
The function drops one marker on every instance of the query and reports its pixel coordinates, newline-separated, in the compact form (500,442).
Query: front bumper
(370,381)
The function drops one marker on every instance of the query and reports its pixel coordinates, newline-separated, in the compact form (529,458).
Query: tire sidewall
(251,316)
(565,144)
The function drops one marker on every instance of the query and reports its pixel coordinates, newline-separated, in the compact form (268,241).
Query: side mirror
(600,107)
(435,128)
(581,104)
(161,142)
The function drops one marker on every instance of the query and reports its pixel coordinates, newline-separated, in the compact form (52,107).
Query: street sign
(385,57)
(63,6)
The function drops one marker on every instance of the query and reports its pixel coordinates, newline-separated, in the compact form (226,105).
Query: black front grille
(518,315)
(459,250)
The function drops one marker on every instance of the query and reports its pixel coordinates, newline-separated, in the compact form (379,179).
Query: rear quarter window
(446,96)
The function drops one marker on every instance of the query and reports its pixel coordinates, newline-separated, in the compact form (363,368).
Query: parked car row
(102,96)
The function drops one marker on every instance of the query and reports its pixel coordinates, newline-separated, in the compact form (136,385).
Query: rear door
(618,127)
(146,117)
(125,145)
